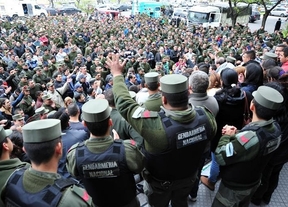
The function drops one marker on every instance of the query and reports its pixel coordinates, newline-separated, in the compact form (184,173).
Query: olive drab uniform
(26,105)
(256,141)
(153,102)
(162,144)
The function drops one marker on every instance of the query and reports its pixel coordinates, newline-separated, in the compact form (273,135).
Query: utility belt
(238,186)
(165,184)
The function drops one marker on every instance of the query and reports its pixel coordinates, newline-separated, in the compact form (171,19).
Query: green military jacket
(147,123)
(241,151)
(35,181)
(39,79)
(153,102)
(26,105)
(123,128)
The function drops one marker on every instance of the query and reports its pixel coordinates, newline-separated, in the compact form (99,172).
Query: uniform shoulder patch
(149,114)
(245,137)
(82,193)
(137,112)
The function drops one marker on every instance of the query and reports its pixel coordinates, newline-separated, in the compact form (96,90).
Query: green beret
(17,117)
(151,77)
(268,97)
(41,131)
(4,133)
(174,83)
(96,110)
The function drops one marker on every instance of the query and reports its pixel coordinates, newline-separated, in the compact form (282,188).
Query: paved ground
(205,196)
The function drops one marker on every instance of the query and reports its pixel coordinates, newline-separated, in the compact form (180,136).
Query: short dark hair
(251,54)
(152,86)
(177,99)
(263,112)
(72,109)
(63,117)
(109,96)
(99,128)
(285,51)
(1,143)
(40,153)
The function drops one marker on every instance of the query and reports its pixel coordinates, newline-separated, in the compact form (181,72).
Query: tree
(85,6)
(267,11)
(235,11)
(51,3)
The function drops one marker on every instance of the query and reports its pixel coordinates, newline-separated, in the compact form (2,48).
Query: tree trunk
(52,3)
(265,16)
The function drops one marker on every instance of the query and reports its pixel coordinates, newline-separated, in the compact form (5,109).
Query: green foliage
(86,6)
(285,31)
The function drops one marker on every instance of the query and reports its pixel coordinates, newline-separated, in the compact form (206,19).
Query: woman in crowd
(231,101)
(253,78)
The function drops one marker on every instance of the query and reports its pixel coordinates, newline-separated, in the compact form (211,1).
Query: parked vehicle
(68,10)
(255,15)
(122,7)
(20,8)
(51,11)
(215,14)
(178,12)
(279,11)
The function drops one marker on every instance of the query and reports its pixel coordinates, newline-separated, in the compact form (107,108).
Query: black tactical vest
(247,174)
(106,176)
(186,144)
(16,196)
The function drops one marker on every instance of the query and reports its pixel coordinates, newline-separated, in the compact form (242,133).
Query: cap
(96,110)
(158,63)
(41,110)
(37,68)
(46,97)
(268,97)
(4,133)
(151,77)
(82,76)
(51,114)
(49,84)
(17,117)
(41,131)
(22,75)
(230,59)
(174,83)
(269,55)
(77,85)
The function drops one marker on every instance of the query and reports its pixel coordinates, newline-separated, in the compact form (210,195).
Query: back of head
(109,96)
(199,82)
(268,63)
(63,117)
(229,78)
(73,109)
(254,74)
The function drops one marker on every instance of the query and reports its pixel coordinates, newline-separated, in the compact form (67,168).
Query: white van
(20,8)
(179,12)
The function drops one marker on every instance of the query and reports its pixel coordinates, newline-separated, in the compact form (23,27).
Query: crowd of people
(187,95)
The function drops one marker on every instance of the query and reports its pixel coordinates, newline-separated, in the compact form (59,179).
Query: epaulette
(149,114)
(82,194)
(75,146)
